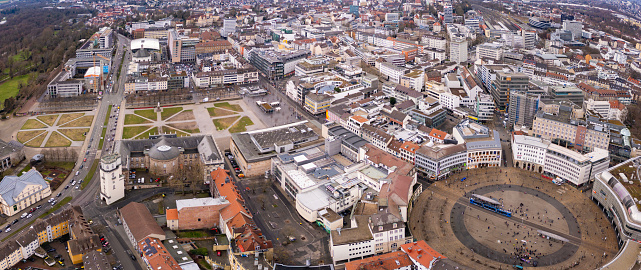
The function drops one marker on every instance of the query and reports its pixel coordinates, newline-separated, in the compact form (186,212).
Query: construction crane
(100,70)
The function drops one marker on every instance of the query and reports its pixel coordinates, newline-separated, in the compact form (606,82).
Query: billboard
(105,69)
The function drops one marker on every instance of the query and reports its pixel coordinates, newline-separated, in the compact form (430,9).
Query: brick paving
(431,216)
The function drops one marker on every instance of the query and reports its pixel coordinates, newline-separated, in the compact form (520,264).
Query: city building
(528,153)
(575,27)
(570,166)
(522,109)
(397,260)
(458,50)
(197,213)
(276,64)
(229,27)
(20,192)
(351,244)
(504,83)
(96,260)
(436,161)
(539,23)
(253,150)
(448,17)
(317,103)
(64,86)
(423,256)
(155,255)
(83,239)
(112,180)
(139,224)
(166,155)
(563,92)
(561,125)
(181,48)
(414,79)
(490,51)
(483,145)
(391,72)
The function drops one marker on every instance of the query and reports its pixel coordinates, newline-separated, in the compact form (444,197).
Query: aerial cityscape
(322,135)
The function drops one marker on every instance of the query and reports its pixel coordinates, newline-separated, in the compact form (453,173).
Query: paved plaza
(479,238)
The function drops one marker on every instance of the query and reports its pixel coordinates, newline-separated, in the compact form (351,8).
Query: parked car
(7,230)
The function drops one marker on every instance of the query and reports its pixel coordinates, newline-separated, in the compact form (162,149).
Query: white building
(483,145)
(528,152)
(229,27)
(20,192)
(448,18)
(575,27)
(388,231)
(439,160)
(64,86)
(458,50)
(112,181)
(434,42)
(489,50)
(600,106)
(484,107)
(529,38)
(391,71)
(354,243)
(568,165)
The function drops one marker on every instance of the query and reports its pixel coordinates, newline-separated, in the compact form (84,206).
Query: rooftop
(197,202)
(387,261)
(353,235)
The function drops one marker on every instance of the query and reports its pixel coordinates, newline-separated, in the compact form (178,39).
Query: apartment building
(317,103)
(415,79)
(434,42)
(490,51)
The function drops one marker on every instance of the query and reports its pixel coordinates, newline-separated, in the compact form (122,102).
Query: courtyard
(470,235)
(55,130)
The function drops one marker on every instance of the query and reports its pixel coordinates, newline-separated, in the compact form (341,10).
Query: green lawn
(224,123)
(191,234)
(33,124)
(132,119)
(168,112)
(132,131)
(62,165)
(213,111)
(150,113)
(145,135)
(92,171)
(226,105)
(102,138)
(10,88)
(108,114)
(241,125)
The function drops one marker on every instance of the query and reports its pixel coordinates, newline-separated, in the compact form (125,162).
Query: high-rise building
(112,181)
(458,50)
(448,18)
(575,27)
(504,83)
(529,38)
(229,27)
(522,109)
(181,48)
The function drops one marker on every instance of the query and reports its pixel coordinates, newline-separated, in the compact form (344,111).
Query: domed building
(164,155)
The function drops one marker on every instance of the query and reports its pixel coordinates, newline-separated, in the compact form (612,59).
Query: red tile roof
(387,261)
(422,253)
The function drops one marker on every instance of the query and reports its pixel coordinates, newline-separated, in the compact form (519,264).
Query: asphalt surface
(461,232)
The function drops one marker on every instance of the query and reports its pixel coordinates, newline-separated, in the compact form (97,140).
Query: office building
(317,103)
(571,166)
(229,27)
(504,83)
(435,161)
(112,180)
(561,125)
(492,51)
(181,48)
(563,92)
(276,64)
(522,109)
(575,27)
(458,50)
(392,72)
(529,39)
(483,145)
(448,17)
(528,153)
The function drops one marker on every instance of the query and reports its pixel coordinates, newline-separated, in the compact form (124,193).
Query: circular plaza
(522,219)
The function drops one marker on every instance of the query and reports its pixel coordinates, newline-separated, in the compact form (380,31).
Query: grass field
(213,111)
(102,138)
(57,140)
(241,125)
(108,114)
(65,118)
(84,121)
(33,124)
(169,112)
(132,119)
(24,136)
(76,134)
(224,123)
(92,171)
(130,132)
(49,119)
(151,114)
(145,135)
(10,88)
(226,105)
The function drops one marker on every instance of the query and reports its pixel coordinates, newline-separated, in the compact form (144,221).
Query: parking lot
(285,115)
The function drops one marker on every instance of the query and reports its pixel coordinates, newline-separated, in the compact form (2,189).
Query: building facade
(112,180)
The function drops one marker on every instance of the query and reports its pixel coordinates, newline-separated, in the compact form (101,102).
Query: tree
(9,104)
(392,101)
(337,90)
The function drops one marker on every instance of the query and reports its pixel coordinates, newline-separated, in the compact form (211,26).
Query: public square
(473,236)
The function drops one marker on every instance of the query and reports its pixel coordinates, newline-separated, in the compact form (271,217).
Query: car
(58,195)
(102,239)
(7,230)
(51,250)
(78,187)
(66,187)
(77,173)
(84,160)
(50,200)
(105,244)
(82,166)
(73,183)
(219,253)
(53,203)
(14,221)
(24,215)
(39,206)
(58,257)
(61,263)
(29,215)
